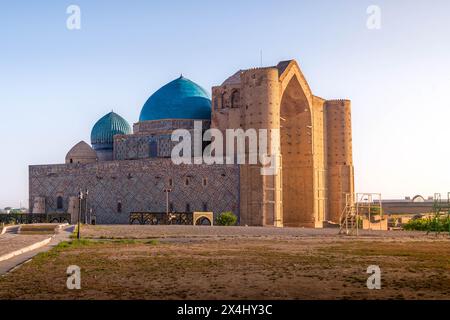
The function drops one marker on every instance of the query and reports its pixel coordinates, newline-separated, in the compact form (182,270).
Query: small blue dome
(103,132)
(179,99)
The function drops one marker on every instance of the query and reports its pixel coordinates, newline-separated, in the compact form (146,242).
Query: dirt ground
(152,262)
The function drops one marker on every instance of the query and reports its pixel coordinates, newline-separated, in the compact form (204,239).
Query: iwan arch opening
(296,134)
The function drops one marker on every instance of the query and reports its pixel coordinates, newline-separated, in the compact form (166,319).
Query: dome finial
(181,75)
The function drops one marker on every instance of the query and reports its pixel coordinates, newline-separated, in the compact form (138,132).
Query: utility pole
(80,197)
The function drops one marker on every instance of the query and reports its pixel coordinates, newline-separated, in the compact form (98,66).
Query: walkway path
(11,241)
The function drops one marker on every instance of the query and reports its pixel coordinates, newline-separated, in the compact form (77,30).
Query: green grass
(62,246)
(153,242)
(76,243)
(125,241)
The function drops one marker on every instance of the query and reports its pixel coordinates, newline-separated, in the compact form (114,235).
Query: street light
(80,197)
(167,200)
(90,216)
(86,206)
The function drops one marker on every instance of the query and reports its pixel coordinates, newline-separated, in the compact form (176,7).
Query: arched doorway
(59,203)
(297,156)
(203,221)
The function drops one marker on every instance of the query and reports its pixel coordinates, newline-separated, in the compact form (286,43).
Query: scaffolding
(440,219)
(359,206)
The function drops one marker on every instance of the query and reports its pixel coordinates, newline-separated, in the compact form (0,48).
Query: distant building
(415,205)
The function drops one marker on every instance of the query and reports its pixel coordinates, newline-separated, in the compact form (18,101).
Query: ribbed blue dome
(179,99)
(103,132)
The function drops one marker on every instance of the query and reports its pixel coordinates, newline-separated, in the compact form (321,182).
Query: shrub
(427,225)
(226,219)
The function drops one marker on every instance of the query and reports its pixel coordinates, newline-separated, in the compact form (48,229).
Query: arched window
(171,207)
(188,207)
(235,97)
(59,203)
(119,207)
(205,206)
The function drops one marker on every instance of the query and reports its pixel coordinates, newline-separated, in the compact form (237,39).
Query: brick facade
(138,186)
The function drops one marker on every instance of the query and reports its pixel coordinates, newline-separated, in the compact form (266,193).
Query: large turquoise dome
(103,132)
(179,99)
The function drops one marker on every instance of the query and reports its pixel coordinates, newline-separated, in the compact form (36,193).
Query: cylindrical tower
(339,156)
(261,190)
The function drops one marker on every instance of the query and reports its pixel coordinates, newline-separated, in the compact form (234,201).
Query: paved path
(11,241)
(14,242)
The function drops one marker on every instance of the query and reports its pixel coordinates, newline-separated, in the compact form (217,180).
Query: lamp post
(90,216)
(80,197)
(86,193)
(167,200)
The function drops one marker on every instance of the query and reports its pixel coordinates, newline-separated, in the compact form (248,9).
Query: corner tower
(340,156)
(250,100)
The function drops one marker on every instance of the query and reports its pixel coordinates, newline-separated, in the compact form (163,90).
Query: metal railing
(161,218)
(29,218)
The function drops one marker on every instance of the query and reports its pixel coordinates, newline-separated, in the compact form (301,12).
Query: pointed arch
(297,150)
(235,98)
(288,70)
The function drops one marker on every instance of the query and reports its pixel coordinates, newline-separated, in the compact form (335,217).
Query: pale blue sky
(56,83)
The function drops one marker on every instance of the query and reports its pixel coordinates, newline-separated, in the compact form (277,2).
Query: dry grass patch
(234,269)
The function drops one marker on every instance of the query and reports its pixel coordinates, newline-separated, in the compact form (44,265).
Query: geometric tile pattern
(138,185)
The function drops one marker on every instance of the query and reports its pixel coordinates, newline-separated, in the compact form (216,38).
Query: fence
(29,218)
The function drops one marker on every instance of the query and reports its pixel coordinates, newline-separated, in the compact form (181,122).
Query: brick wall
(138,185)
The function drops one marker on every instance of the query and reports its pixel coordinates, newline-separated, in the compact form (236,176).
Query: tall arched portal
(297,156)
(316,167)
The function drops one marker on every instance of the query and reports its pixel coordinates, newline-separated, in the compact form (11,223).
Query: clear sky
(55,83)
